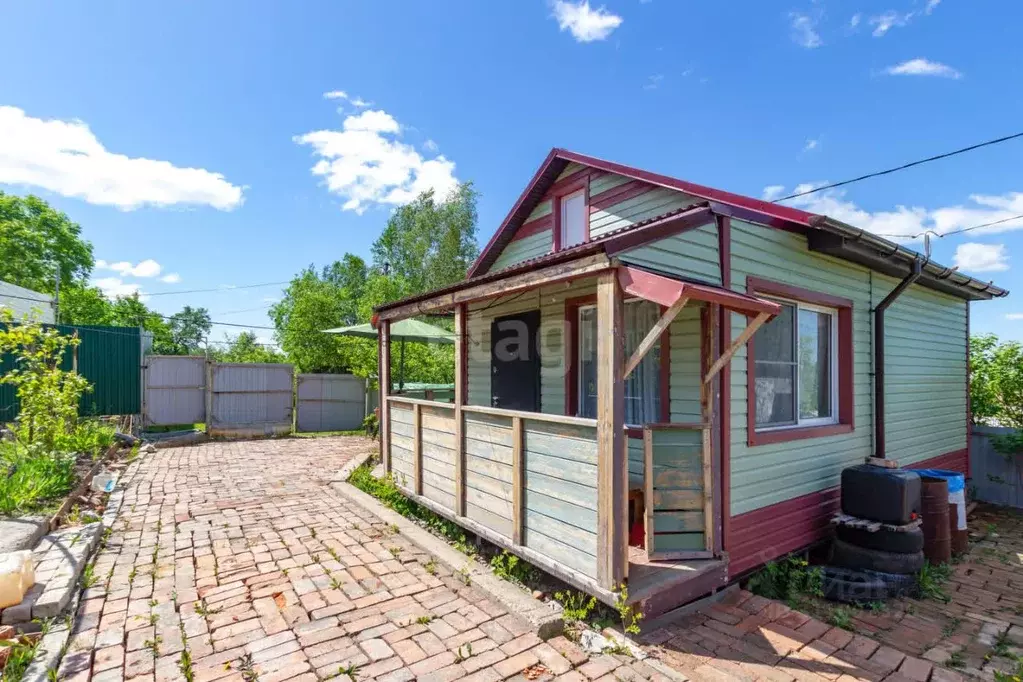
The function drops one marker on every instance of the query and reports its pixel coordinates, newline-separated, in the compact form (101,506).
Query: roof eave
(858,245)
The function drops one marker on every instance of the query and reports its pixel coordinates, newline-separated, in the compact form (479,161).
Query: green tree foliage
(425,245)
(35,239)
(245,348)
(188,329)
(996,381)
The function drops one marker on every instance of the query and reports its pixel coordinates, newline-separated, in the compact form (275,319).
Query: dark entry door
(515,362)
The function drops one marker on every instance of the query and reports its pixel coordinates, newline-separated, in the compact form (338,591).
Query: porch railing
(525,480)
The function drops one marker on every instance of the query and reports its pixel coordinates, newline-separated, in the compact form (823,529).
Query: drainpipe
(879,421)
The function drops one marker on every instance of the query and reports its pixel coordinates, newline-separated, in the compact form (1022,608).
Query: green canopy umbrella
(404,330)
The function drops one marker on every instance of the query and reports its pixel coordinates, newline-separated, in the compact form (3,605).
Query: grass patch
(931,580)
(391,496)
(328,434)
(31,480)
(787,580)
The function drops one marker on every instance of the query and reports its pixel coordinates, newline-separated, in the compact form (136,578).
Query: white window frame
(579,391)
(801,423)
(563,224)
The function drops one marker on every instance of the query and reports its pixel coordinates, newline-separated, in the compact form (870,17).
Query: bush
(787,579)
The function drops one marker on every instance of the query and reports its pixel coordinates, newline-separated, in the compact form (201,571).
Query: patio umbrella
(403,330)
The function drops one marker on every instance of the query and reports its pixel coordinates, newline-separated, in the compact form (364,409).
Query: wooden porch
(554,489)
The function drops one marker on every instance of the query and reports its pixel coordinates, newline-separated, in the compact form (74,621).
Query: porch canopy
(674,293)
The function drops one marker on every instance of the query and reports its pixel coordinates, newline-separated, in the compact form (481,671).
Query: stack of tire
(878,544)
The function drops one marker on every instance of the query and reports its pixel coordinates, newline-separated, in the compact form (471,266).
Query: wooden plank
(500,470)
(517,480)
(572,514)
(490,485)
(570,449)
(417,449)
(441,423)
(402,400)
(400,412)
(673,477)
(494,505)
(488,519)
(612,462)
(653,337)
(667,542)
(384,360)
(648,487)
(445,440)
(579,495)
(547,537)
(706,415)
(740,341)
(492,451)
(461,381)
(678,522)
(565,469)
(586,265)
(678,500)
(532,416)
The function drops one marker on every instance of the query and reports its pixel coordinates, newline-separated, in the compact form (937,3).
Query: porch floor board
(660,586)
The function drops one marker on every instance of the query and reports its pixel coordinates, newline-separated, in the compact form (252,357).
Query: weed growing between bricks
(580,610)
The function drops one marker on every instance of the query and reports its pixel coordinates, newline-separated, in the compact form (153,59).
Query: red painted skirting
(763,534)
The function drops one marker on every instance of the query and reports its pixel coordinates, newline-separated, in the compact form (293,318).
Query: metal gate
(249,399)
(175,390)
(330,402)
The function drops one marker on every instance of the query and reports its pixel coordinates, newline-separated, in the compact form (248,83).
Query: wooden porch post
(460,386)
(612,465)
(384,350)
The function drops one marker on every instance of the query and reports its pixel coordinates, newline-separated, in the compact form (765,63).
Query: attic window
(571,210)
(573,219)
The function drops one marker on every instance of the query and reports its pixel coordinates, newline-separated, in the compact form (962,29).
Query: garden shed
(658,383)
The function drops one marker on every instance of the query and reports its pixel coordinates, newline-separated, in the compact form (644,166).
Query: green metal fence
(110,358)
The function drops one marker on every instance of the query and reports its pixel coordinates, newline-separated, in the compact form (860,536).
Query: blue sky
(201,137)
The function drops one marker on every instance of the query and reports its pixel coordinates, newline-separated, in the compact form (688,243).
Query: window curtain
(643,387)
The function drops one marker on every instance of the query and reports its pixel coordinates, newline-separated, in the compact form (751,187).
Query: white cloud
(585,23)
(804,30)
(367,164)
(341,94)
(171,278)
(113,287)
(653,82)
(65,157)
(811,144)
(146,268)
(982,257)
(855,20)
(905,223)
(1014,316)
(923,67)
(886,21)
(883,23)
(431,146)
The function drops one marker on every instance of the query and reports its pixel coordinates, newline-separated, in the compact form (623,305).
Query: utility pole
(56,297)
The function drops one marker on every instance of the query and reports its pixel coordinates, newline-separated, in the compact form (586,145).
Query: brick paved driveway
(234,561)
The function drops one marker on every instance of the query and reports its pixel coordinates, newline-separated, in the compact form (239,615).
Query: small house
(658,383)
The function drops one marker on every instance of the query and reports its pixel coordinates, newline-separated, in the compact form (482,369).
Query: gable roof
(558,159)
(826,234)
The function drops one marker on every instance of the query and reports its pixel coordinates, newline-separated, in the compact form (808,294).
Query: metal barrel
(934,510)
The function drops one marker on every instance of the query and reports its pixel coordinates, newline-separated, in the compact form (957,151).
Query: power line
(230,288)
(951,232)
(904,166)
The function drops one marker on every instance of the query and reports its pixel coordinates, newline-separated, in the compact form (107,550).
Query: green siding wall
(638,208)
(926,361)
(523,249)
(768,474)
(692,254)
(925,372)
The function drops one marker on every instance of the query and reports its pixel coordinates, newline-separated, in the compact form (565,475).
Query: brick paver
(235,562)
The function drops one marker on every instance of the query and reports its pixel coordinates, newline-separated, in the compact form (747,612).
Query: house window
(573,229)
(643,387)
(796,368)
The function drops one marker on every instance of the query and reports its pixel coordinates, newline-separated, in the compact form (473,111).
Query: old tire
(848,555)
(899,542)
(849,586)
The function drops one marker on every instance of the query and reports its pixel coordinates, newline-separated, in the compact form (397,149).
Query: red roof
(558,159)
